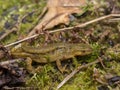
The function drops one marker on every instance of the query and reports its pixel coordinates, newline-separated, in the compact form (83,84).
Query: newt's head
(114,52)
(81,49)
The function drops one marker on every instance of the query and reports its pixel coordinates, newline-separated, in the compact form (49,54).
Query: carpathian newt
(52,53)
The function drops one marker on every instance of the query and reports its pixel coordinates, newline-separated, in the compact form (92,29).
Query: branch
(69,28)
(10,61)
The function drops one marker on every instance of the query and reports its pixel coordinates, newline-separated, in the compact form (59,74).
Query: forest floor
(96,25)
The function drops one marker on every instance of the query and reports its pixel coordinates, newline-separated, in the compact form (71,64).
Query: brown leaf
(58,13)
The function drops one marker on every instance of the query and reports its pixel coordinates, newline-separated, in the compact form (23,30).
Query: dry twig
(69,28)
(75,71)
(10,61)
(15,27)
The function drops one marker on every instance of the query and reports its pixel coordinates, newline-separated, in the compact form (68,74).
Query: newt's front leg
(62,69)
(29,66)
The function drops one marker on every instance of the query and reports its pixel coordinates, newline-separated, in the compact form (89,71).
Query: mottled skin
(53,52)
(43,49)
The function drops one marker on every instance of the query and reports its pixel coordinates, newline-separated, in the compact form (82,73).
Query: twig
(10,61)
(75,71)
(43,12)
(87,23)
(15,27)
(7,33)
(22,40)
(43,28)
(69,28)
(114,20)
(39,17)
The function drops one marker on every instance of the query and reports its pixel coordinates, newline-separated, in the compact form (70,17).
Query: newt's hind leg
(62,69)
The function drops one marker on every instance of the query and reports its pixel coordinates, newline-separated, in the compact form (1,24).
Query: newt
(52,53)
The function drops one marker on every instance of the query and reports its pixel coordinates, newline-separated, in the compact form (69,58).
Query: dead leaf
(58,13)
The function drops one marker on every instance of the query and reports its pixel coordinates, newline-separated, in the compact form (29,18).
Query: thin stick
(69,28)
(114,20)
(22,40)
(87,23)
(7,33)
(75,71)
(10,61)
(15,27)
